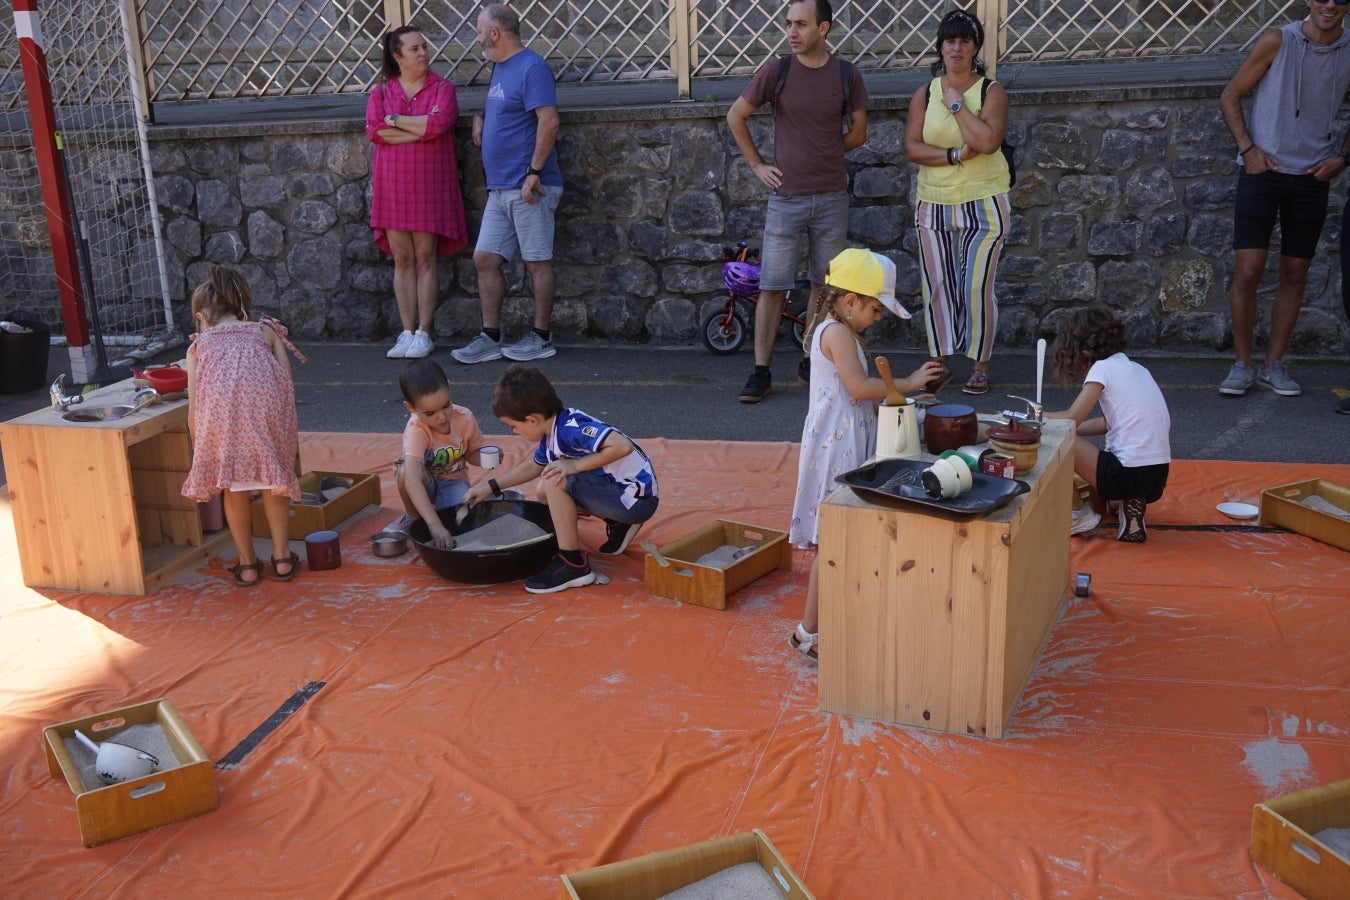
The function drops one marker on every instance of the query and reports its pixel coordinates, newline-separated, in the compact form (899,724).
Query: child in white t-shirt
(1132,471)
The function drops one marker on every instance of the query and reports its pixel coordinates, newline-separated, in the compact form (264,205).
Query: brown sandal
(240,568)
(289,573)
(979,382)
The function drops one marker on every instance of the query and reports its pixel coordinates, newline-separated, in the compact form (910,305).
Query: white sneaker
(1084,520)
(531,346)
(400,348)
(481,349)
(420,346)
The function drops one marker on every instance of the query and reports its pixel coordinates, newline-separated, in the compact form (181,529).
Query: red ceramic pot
(949,426)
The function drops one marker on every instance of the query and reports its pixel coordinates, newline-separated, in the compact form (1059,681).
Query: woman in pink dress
(241,412)
(416,207)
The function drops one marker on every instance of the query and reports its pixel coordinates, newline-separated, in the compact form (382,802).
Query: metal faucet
(1034,414)
(59,398)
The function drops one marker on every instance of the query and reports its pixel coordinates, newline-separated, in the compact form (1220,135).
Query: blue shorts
(1298,201)
(821,218)
(443,494)
(602,496)
(511,224)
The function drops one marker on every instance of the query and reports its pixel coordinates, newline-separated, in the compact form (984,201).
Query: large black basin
(488,566)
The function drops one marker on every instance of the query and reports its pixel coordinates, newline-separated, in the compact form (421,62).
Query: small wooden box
(107,813)
(310,517)
(687,582)
(657,874)
(1283,842)
(1283,506)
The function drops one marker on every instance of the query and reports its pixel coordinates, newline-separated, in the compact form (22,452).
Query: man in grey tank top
(1287,157)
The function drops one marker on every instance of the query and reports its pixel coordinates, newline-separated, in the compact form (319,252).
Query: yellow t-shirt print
(441,462)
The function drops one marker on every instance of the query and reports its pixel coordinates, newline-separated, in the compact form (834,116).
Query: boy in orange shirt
(439,442)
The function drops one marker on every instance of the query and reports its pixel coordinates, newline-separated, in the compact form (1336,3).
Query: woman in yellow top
(954,132)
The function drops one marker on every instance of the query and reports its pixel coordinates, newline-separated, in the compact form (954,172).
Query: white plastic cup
(489,457)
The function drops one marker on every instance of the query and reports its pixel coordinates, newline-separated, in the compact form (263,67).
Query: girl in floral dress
(241,412)
(840,431)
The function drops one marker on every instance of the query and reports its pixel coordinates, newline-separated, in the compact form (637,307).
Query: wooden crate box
(1283,840)
(1283,506)
(710,586)
(109,812)
(657,874)
(307,518)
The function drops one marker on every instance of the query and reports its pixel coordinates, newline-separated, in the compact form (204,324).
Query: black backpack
(1009,151)
(845,75)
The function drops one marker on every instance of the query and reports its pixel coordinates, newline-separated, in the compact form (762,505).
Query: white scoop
(116,762)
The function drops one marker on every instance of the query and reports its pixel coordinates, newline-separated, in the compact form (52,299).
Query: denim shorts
(443,494)
(1299,201)
(602,496)
(511,224)
(821,218)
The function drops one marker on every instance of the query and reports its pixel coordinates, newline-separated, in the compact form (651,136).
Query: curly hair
(1087,335)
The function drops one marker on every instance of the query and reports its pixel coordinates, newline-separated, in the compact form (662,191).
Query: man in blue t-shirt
(517,130)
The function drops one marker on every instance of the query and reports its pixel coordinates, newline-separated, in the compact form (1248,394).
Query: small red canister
(1000,465)
(322,550)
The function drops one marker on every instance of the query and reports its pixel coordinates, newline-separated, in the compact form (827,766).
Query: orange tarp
(478,741)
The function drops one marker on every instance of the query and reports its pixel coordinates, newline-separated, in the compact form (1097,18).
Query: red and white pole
(55,191)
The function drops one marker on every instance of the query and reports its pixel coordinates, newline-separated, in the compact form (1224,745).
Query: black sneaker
(560,575)
(804,372)
(1131,514)
(757,388)
(618,535)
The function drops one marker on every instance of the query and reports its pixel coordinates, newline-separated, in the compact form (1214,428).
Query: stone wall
(1123,197)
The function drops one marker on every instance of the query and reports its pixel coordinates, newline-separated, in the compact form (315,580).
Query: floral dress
(839,435)
(245,433)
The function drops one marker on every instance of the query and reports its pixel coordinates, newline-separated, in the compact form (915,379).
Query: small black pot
(488,566)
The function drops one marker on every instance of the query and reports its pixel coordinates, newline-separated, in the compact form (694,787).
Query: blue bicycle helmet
(742,279)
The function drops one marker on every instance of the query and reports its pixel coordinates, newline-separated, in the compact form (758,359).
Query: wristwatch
(956,107)
(393,118)
(533,171)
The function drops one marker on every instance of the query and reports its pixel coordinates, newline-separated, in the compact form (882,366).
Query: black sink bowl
(488,566)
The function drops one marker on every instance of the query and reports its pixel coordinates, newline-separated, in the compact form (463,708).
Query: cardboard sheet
(477,741)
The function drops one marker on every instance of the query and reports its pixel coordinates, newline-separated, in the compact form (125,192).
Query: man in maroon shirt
(807,181)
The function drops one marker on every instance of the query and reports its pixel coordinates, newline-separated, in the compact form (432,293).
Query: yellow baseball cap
(867,274)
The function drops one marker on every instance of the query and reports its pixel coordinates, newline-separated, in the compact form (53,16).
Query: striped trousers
(959,247)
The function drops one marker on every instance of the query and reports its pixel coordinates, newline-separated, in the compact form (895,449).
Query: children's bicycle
(724,330)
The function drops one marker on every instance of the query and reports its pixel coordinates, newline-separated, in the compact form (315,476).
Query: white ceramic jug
(898,431)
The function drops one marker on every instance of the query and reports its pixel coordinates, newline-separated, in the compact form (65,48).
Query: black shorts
(1299,202)
(1117,482)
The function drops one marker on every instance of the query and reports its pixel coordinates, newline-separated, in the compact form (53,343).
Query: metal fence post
(681,47)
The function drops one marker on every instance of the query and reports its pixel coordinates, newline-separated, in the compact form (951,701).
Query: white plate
(1239,510)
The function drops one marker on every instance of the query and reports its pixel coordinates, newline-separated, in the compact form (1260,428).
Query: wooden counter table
(929,621)
(96,504)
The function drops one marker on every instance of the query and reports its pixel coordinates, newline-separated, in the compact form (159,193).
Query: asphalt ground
(689,393)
